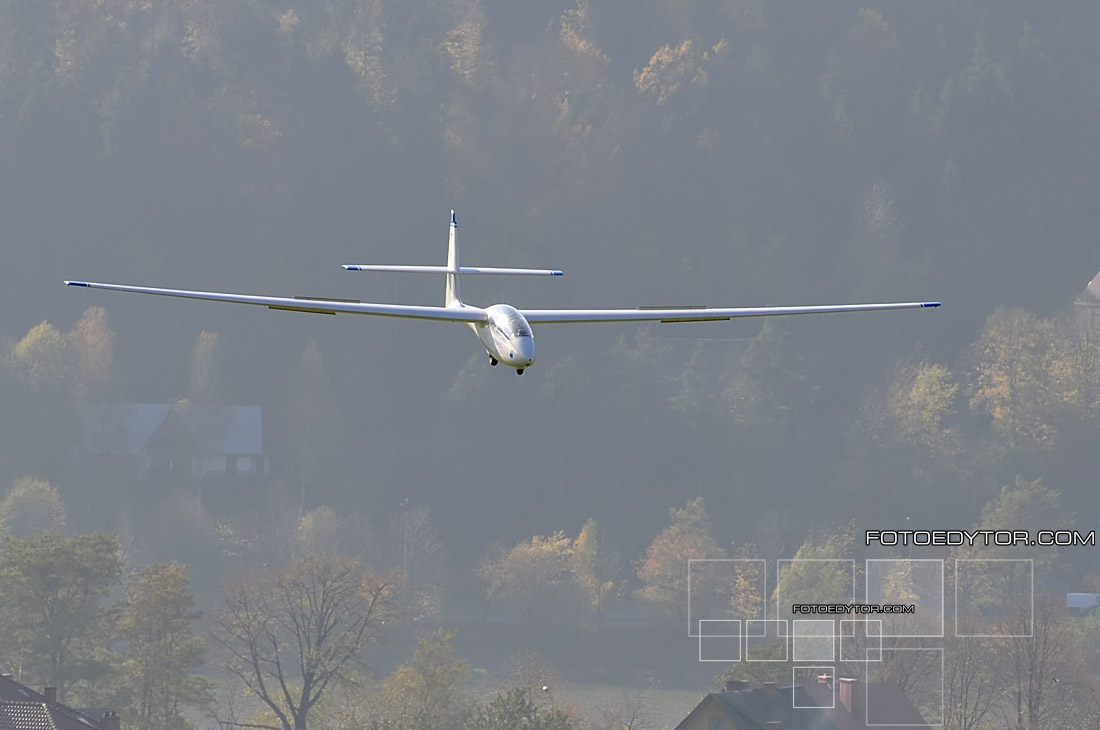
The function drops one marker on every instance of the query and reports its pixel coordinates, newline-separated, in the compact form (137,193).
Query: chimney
(734,685)
(826,679)
(768,689)
(50,693)
(110,721)
(849,695)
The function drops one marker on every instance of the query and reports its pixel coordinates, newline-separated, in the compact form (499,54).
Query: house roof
(127,429)
(21,708)
(812,707)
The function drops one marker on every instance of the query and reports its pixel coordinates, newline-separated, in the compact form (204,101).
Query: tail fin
(454,294)
(452,270)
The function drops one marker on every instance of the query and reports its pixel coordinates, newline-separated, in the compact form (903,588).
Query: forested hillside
(660,152)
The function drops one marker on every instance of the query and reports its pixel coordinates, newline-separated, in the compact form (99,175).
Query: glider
(504,331)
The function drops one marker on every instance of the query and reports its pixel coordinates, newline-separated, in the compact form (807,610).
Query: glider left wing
(699,314)
(309,304)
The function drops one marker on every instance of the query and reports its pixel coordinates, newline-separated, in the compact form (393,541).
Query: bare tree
(1042,662)
(292,632)
(971,685)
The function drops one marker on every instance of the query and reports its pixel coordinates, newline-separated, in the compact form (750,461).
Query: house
(853,706)
(21,708)
(143,441)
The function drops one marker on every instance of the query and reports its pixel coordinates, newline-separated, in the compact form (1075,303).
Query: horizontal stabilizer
(445,270)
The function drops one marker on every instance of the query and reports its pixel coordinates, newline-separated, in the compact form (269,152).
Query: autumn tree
(162,649)
(51,593)
(535,575)
(32,506)
(425,693)
(1012,381)
(92,344)
(748,593)
(41,357)
(664,570)
(291,632)
(595,567)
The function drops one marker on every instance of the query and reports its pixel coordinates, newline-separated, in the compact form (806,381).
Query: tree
(313,422)
(748,591)
(424,693)
(919,399)
(595,567)
(515,709)
(971,687)
(535,575)
(1024,505)
(1042,663)
(32,506)
(768,385)
(664,570)
(41,357)
(413,544)
(291,632)
(1012,381)
(92,344)
(822,571)
(206,358)
(162,648)
(51,593)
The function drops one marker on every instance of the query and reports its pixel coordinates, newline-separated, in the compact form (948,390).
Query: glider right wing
(309,304)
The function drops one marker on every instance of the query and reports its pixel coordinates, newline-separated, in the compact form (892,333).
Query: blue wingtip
(930,304)
(556,273)
(76,283)
(453,221)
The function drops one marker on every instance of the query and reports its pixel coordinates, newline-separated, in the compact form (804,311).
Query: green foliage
(162,648)
(1025,505)
(822,571)
(768,386)
(515,710)
(30,507)
(51,601)
(919,400)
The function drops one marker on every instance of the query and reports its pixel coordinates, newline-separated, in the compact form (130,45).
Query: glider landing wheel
(492,361)
(519,371)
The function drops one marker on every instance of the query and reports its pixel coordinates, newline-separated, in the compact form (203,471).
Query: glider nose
(525,351)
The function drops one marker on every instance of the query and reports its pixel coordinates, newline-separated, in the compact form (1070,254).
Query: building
(181,441)
(22,708)
(849,705)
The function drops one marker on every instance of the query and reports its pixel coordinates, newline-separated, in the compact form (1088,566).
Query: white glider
(503,330)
